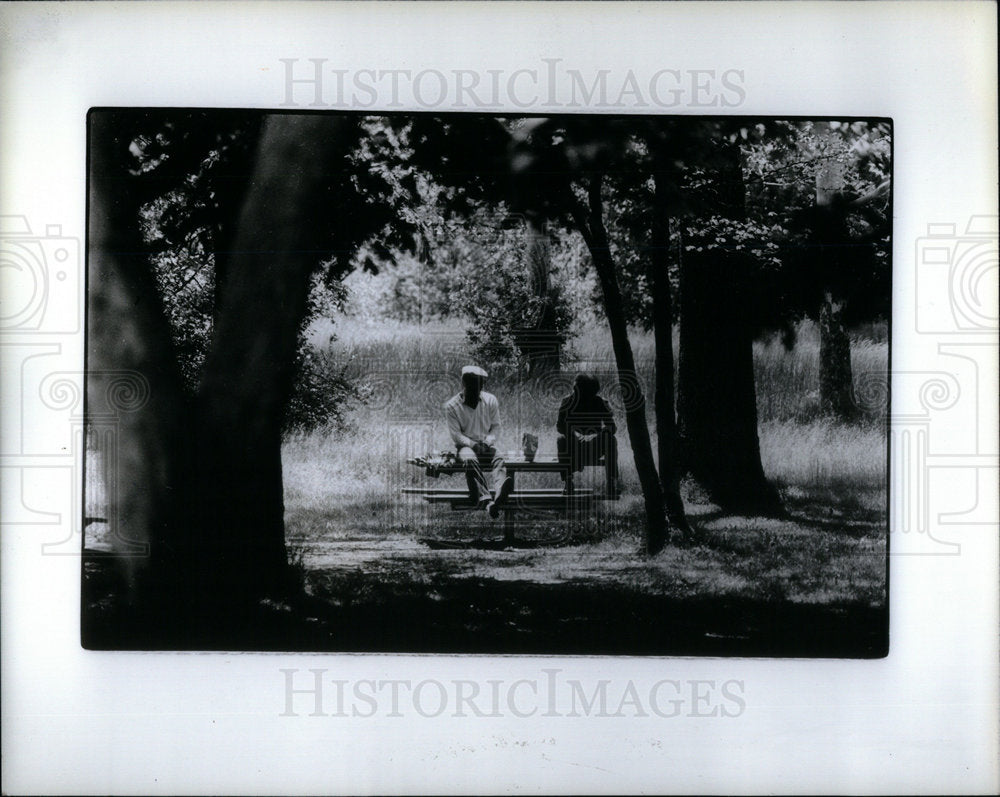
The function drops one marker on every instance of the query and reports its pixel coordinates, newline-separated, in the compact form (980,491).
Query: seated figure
(586,433)
(473,418)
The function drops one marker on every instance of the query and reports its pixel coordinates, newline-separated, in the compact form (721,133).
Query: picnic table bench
(531,498)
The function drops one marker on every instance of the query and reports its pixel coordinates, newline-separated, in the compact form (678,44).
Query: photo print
(464,383)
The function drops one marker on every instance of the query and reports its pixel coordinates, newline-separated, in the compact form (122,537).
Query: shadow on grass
(502,544)
(352,612)
(809,585)
(579,616)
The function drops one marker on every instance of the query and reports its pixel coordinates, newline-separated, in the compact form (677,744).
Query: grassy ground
(811,584)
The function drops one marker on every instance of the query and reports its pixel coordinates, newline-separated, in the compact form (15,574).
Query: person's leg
(609,448)
(584,451)
(580,453)
(502,484)
(562,452)
(474,477)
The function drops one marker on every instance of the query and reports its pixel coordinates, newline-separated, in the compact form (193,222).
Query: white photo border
(922,719)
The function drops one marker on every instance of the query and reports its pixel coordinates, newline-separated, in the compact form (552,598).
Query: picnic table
(520,498)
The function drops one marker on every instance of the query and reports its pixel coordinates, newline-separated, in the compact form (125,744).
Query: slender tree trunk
(835,377)
(538,341)
(717,403)
(836,394)
(668,444)
(591,225)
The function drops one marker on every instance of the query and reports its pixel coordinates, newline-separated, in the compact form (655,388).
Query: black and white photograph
(489,398)
(478,384)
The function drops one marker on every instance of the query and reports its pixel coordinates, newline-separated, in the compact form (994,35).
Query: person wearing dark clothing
(586,433)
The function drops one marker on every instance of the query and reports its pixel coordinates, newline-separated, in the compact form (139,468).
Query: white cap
(474,369)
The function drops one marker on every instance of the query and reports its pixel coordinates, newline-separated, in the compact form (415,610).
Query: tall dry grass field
(408,371)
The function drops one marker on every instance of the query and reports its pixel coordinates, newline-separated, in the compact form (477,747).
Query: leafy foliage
(511,300)
(439,205)
(841,246)
(188,291)
(795,251)
(194,167)
(323,394)
(478,259)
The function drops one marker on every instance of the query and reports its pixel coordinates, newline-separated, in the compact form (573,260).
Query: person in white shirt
(474,422)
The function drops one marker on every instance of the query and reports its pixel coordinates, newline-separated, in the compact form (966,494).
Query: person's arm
(494,430)
(455,428)
(562,417)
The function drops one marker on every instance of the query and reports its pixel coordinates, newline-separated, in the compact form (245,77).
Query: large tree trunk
(201,486)
(128,335)
(591,226)
(717,402)
(229,195)
(668,444)
(249,368)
